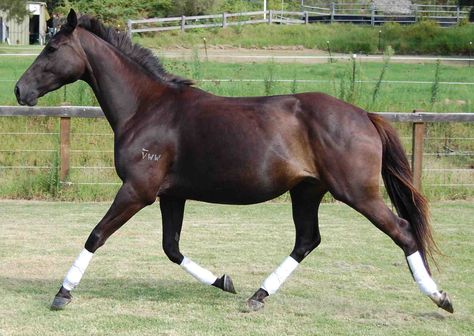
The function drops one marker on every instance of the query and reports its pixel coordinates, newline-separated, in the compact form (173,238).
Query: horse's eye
(51,49)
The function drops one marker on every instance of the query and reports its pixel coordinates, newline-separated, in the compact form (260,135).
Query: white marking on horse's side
(200,273)
(420,274)
(149,156)
(75,273)
(279,276)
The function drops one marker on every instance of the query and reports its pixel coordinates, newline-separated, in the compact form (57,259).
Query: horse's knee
(172,252)
(302,249)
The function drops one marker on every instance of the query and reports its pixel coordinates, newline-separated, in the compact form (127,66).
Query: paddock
(354,283)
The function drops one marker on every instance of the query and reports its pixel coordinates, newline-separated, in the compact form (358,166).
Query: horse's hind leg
(400,231)
(172,211)
(126,204)
(305,199)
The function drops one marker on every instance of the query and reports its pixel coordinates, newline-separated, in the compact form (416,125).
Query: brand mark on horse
(146,155)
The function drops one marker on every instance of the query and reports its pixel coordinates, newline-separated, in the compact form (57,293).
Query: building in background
(32,30)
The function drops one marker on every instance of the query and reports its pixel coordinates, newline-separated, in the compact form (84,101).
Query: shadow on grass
(121,289)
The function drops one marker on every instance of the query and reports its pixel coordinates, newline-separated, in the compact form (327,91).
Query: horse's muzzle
(30,98)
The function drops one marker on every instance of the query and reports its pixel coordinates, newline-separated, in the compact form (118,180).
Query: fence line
(418,119)
(227,80)
(368,14)
(327,81)
(347,57)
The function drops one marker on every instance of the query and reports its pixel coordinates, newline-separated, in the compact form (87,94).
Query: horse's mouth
(30,100)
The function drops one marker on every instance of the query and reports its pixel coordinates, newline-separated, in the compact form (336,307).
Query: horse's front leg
(172,211)
(126,204)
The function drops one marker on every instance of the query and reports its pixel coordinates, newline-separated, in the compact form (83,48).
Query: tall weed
(268,82)
(435,86)
(386,60)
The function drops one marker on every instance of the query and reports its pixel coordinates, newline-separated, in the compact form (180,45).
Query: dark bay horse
(176,142)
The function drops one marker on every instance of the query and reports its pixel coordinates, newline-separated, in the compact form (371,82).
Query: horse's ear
(71,22)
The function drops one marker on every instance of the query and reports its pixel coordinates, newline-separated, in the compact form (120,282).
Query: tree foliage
(14,8)
(117,12)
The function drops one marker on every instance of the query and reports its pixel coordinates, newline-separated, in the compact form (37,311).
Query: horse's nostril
(17,91)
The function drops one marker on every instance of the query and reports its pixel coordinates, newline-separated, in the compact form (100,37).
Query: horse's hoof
(225,283)
(443,301)
(254,305)
(59,302)
(228,285)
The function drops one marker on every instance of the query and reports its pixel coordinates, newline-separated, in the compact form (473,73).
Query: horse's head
(62,61)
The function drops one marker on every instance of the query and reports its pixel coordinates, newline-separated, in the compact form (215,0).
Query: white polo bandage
(198,272)
(279,276)
(75,273)
(420,274)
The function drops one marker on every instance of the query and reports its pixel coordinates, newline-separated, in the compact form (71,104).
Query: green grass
(391,97)
(355,283)
(91,136)
(422,38)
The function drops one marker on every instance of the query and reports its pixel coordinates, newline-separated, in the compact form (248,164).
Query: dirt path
(290,55)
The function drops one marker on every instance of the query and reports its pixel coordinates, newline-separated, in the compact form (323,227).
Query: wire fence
(448,159)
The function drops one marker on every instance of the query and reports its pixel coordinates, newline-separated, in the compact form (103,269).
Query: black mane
(140,55)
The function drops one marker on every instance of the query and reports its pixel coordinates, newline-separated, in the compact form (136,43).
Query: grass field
(355,283)
(392,97)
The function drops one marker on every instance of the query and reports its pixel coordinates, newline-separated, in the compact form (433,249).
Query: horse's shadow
(119,289)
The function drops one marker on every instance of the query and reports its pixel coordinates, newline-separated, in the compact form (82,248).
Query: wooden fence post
(418,136)
(129,29)
(270,16)
(65,143)
(224,20)
(372,14)
(183,23)
(306,17)
(333,11)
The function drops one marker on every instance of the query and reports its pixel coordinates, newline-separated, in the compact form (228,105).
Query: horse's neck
(117,82)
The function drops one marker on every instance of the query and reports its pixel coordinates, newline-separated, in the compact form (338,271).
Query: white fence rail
(347,12)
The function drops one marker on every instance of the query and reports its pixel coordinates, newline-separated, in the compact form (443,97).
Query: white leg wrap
(425,282)
(198,272)
(279,276)
(73,277)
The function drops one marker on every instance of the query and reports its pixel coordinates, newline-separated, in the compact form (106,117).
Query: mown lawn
(355,283)
(332,78)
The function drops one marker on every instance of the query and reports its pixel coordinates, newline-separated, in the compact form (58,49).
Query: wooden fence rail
(65,113)
(354,13)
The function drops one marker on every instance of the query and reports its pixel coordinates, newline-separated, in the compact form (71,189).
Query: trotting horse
(176,142)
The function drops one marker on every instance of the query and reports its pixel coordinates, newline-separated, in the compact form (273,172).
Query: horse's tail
(410,204)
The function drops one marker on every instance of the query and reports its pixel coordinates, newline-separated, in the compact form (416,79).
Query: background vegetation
(92,158)
(36,139)
(425,37)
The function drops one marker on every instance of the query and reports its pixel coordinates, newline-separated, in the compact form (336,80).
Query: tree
(117,12)
(467,3)
(14,9)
